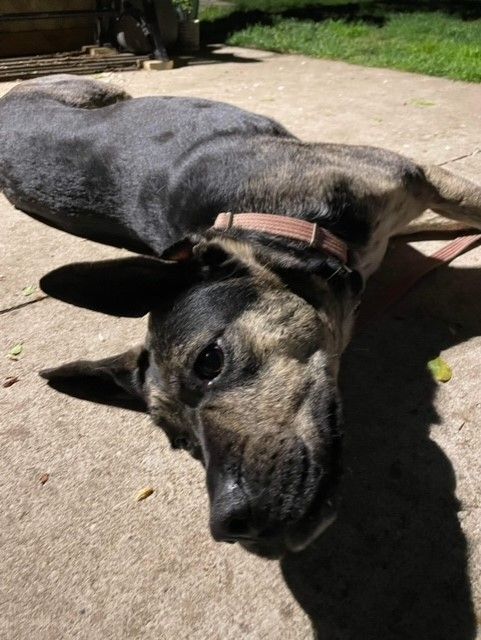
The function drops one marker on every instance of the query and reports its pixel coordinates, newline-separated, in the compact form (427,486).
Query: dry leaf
(9,380)
(15,351)
(144,493)
(28,291)
(440,370)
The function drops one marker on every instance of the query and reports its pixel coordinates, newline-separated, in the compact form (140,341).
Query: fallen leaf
(9,380)
(422,103)
(144,493)
(43,478)
(15,351)
(440,370)
(28,291)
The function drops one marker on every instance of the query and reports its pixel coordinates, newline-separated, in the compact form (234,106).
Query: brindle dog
(246,329)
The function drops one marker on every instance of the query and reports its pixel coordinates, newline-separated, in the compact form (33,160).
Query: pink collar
(307,232)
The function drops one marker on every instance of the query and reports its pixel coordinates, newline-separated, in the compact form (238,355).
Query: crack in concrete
(466,155)
(22,305)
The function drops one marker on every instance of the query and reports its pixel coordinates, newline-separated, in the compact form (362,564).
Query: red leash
(402,286)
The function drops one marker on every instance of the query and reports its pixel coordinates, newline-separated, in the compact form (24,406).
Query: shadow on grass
(394,565)
(370,12)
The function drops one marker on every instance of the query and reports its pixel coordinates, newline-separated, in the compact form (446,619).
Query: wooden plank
(29,6)
(46,56)
(94,64)
(48,62)
(158,65)
(23,37)
(24,43)
(94,50)
(79,65)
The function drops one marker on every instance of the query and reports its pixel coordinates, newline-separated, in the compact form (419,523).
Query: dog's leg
(73,91)
(456,199)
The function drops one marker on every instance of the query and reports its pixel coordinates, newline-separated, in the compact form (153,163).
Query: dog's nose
(231,516)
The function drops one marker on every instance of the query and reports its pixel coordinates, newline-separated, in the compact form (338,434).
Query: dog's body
(147,173)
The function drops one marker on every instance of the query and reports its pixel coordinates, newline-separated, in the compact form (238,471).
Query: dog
(249,310)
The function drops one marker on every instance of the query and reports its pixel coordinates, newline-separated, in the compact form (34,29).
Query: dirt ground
(80,558)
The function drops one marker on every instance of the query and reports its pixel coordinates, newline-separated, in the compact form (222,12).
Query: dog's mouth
(321,514)
(279,537)
(299,540)
(292,542)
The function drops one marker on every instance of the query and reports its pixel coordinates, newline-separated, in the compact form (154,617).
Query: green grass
(268,6)
(433,43)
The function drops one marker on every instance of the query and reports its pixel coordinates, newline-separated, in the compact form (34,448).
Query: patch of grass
(212,13)
(278,6)
(423,104)
(365,33)
(463,8)
(430,43)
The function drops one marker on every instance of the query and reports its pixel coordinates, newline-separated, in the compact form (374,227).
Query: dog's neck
(294,182)
(295,260)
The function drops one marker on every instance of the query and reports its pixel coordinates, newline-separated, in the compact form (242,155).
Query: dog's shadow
(394,564)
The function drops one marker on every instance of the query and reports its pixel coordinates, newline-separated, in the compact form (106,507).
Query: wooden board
(26,37)
(73,62)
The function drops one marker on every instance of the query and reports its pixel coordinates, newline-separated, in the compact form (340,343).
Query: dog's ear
(128,287)
(117,381)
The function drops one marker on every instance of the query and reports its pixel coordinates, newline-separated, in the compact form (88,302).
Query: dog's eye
(209,362)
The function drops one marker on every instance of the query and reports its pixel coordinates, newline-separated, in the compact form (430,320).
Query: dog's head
(239,367)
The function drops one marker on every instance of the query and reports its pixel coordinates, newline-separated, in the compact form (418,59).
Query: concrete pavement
(80,558)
